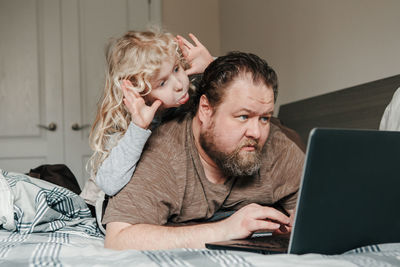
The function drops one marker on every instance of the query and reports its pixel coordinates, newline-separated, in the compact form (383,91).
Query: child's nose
(178,85)
(178,88)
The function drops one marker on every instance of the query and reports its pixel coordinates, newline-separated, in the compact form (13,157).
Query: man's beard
(235,163)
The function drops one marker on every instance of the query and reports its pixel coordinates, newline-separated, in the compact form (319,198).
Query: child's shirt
(117,169)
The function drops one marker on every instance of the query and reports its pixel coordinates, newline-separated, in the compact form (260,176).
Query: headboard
(360,106)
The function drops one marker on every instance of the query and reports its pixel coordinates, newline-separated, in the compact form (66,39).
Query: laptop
(349,196)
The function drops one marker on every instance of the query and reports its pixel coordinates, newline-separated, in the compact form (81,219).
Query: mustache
(249,142)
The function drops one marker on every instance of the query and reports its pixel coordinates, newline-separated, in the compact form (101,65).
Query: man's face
(234,135)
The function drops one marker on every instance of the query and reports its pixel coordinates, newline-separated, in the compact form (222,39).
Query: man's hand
(241,224)
(284,229)
(196,55)
(254,217)
(142,115)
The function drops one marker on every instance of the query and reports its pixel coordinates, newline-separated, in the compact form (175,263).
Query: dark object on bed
(58,174)
(357,107)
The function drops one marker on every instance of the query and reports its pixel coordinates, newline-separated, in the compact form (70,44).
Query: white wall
(193,16)
(316,46)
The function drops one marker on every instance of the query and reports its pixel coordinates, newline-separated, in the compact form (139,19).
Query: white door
(59,55)
(87,27)
(30,84)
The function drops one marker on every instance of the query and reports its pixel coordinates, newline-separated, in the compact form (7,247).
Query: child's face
(171,85)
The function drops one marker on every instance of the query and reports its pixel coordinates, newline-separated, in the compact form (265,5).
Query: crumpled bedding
(30,205)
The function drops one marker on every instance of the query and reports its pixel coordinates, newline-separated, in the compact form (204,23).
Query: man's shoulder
(291,134)
(277,135)
(281,167)
(171,134)
(280,142)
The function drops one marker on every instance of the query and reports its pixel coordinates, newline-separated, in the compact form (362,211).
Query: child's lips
(184,98)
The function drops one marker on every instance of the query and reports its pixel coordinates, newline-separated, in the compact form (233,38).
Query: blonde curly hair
(136,56)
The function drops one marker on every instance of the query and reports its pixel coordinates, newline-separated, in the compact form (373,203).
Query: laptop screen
(349,194)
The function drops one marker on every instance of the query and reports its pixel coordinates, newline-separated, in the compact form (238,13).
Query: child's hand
(142,114)
(196,55)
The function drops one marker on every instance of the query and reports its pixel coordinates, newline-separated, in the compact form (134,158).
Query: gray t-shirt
(169,184)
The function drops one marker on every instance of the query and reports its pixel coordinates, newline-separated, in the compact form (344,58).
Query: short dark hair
(225,69)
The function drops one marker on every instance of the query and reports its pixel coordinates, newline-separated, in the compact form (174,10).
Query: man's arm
(241,224)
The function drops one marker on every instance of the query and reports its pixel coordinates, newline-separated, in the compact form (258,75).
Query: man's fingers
(271,214)
(291,217)
(258,225)
(284,229)
(277,216)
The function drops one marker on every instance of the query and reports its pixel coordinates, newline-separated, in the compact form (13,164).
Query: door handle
(75,126)
(51,127)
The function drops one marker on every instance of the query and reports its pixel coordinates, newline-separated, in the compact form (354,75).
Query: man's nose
(253,129)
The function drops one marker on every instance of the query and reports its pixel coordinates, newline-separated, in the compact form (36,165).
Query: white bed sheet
(70,249)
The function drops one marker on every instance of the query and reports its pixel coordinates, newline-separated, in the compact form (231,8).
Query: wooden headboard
(359,107)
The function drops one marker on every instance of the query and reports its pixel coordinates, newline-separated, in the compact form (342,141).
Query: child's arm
(117,169)
(196,55)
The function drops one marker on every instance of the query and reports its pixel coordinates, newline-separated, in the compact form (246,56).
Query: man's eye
(176,69)
(243,117)
(265,119)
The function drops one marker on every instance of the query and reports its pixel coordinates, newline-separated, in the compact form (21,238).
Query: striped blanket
(29,205)
(66,249)
(42,224)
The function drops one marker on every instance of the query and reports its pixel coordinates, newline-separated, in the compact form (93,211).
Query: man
(225,156)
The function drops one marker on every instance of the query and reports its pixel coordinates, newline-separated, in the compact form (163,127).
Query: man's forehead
(265,99)
(244,85)
(245,95)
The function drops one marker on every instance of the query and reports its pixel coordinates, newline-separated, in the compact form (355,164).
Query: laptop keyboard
(265,242)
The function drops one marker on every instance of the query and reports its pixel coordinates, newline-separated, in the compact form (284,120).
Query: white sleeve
(117,169)
(391,117)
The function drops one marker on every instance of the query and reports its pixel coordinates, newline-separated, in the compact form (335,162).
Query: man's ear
(205,109)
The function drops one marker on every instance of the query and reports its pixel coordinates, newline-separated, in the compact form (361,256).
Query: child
(145,76)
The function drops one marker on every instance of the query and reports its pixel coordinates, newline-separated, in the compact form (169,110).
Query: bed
(42,224)
(53,227)
(73,249)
